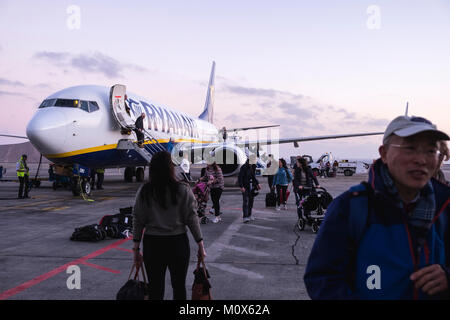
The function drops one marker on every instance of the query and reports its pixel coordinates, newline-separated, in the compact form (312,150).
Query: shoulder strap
(359,210)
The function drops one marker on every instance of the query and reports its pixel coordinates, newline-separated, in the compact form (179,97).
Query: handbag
(201,288)
(134,289)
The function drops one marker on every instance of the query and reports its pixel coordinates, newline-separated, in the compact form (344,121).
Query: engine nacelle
(229,157)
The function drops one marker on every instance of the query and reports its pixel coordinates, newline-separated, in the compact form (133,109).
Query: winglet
(406,112)
(208,111)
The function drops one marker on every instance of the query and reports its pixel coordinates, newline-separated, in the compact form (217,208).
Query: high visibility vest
(100,170)
(22,171)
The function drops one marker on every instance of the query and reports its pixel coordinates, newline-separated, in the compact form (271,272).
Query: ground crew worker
(100,178)
(23,173)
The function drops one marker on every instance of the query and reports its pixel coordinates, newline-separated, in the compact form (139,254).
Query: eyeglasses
(409,151)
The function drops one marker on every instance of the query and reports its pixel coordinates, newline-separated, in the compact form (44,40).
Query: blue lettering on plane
(171,122)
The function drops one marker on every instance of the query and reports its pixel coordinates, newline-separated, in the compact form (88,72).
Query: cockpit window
(93,106)
(88,106)
(47,103)
(84,105)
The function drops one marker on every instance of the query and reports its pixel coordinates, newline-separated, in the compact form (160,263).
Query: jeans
(247,203)
(160,253)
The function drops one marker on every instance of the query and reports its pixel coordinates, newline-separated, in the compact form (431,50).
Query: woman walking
(216,187)
(165,207)
(304,179)
(281,181)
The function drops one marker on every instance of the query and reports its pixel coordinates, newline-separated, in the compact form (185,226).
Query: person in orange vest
(23,173)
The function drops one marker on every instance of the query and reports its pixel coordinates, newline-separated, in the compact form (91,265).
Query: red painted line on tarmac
(96,266)
(24,286)
(123,249)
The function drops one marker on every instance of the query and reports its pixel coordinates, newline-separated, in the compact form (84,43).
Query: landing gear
(130,172)
(80,187)
(139,174)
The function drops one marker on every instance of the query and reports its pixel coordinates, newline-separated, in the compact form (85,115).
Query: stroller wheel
(204,220)
(301,224)
(315,227)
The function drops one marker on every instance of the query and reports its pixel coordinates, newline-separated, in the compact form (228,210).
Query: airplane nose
(47,130)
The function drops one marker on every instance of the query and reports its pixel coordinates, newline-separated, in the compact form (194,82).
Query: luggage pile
(117,226)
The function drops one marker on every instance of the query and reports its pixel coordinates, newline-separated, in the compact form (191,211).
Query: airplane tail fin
(208,111)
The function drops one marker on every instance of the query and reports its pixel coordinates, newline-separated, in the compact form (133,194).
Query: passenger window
(84,105)
(93,106)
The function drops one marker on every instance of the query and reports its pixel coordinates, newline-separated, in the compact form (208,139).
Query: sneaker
(277,208)
(216,220)
(285,207)
(246,220)
(252,218)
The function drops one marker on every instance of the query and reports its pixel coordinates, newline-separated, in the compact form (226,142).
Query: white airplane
(92,126)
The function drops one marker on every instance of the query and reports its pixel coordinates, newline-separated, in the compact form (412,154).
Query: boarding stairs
(151,146)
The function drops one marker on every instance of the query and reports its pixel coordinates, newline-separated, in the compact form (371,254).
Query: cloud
(96,62)
(7,82)
(270,93)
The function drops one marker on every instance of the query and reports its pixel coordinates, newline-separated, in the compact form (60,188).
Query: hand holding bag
(134,289)
(201,288)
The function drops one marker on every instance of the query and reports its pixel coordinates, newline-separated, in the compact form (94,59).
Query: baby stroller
(311,210)
(201,193)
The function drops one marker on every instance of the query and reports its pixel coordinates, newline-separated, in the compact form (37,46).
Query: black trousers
(216,193)
(23,186)
(281,194)
(140,136)
(100,178)
(160,253)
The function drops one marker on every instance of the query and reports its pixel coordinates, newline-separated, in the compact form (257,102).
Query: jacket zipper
(413,256)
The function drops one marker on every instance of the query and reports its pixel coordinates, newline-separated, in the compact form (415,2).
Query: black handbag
(134,289)
(201,288)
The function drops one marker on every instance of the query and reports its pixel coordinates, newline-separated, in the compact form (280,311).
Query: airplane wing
(301,139)
(13,136)
(252,144)
(249,128)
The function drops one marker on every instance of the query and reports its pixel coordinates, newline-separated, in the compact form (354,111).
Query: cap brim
(407,132)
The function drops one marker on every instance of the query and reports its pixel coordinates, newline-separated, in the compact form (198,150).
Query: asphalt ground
(251,261)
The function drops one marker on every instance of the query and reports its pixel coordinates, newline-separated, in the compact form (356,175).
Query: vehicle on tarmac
(94,127)
(346,167)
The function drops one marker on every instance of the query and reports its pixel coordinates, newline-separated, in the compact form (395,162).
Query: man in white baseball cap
(396,223)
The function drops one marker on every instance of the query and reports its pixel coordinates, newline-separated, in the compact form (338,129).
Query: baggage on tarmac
(271,199)
(118,226)
(92,233)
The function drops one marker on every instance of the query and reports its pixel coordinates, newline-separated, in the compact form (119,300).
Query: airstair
(150,146)
(126,120)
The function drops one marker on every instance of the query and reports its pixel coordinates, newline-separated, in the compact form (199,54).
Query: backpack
(358,219)
(118,225)
(92,233)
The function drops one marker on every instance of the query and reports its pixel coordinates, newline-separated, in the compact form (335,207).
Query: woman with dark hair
(281,181)
(216,186)
(304,179)
(165,207)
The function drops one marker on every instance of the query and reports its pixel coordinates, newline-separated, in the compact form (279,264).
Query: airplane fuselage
(88,133)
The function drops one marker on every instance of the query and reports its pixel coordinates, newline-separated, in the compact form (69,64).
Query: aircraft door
(120,110)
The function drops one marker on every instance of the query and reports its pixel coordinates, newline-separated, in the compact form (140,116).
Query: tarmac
(251,261)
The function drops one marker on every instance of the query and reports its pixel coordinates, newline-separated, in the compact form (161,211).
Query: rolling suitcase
(271,199)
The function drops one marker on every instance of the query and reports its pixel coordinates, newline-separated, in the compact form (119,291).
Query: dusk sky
(313,67)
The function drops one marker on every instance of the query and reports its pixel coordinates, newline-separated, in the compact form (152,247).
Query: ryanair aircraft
(93,126)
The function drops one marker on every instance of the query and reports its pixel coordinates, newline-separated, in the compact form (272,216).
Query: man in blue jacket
(388,238)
